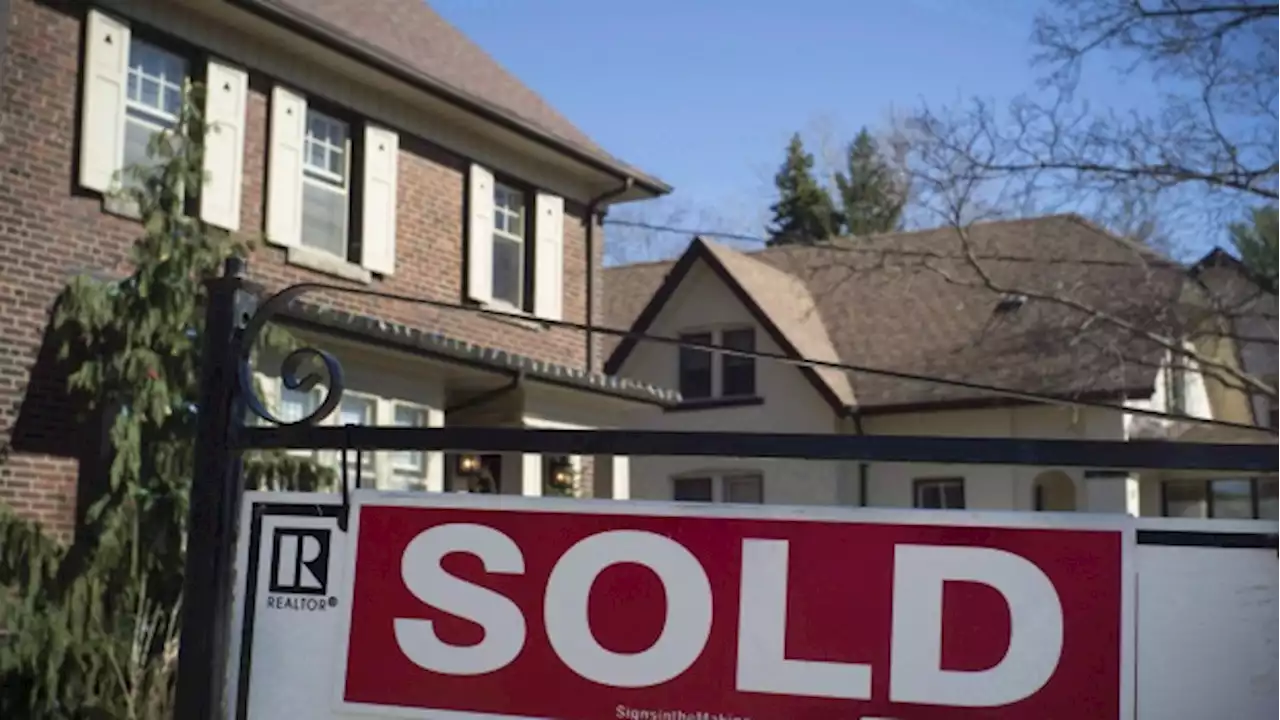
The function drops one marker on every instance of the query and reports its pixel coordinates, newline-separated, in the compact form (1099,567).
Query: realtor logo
(300,561)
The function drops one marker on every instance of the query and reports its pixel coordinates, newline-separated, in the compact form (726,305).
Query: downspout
(863,467)
(593,208)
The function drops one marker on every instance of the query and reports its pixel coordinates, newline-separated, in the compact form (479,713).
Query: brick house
(370,144)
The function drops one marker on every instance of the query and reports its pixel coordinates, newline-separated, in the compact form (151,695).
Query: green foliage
(804,212)
(1256,241)
(872,198)
(94,626)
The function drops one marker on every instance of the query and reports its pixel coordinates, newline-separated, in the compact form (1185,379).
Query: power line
(785,359)
(851,246)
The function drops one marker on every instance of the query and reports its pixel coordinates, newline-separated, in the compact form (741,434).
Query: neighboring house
(373,146)
(914,303)
(1252,311)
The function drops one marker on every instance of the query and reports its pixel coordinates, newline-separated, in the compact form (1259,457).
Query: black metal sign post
(234,322)
(216,491)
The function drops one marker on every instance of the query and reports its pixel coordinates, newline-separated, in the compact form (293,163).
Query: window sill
(716,403)
(323,262)
(121,206)
(512,315)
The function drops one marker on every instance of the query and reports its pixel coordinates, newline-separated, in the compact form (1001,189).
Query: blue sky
(705,93)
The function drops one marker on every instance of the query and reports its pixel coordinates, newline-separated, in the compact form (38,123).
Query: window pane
(355,410)
(324,219)
(692,489)
(738,374)
(137,135)
(295,404)
(156,79)
(695,367)
(1267,498)
(508,261)
(928,496)
(744,489)
(940,494)
(1232,499)
(1184,498)
(409,463)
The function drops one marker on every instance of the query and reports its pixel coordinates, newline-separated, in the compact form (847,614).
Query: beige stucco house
(925,304)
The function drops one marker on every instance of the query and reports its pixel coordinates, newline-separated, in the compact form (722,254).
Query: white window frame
(719,481)
(415,478)
(717,333)
(521,240)
(155,118)
(1206,495)
(324,178)
(919,484)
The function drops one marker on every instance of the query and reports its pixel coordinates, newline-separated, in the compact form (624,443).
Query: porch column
(531,475)
(612,477)
(1112,491)
(435,458)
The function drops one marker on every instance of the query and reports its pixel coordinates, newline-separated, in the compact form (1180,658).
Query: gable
(781,317)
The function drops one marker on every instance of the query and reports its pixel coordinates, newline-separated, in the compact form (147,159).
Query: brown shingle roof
(413,34)
(911,302)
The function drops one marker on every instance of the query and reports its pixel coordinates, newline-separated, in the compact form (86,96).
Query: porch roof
(367,328)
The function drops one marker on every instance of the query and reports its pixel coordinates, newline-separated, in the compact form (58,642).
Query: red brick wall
(50,230)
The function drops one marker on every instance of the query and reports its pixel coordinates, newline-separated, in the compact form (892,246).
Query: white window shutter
(548,260)
(106,66)
(284,173)
(378,234)
(227,89)
(480,235)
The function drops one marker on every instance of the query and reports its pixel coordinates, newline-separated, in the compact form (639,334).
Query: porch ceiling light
(469,463)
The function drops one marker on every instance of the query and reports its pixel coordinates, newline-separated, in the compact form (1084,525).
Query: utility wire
(854,247)
(786,359)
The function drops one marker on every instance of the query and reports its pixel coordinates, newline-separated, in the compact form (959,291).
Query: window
(693,489)
(747,488)
(153,101)
(408,467)
(514,246)
(728,376)
(295,405)
(744,489)
(326,186)
(738,373)
(1228,498)
(509,230)
(132,88)
(940,494)
(359,410)
(695,367)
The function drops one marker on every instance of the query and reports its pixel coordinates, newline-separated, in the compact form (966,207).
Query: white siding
(791,403)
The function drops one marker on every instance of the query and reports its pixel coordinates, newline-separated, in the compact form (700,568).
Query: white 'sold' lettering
(915,666)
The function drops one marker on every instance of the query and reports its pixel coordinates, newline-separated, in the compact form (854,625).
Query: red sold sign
(582,615)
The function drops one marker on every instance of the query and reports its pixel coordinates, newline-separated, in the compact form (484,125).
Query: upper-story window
(331,187)
(514,246)
(704,374)
(939,494)
(153,99)
(326,184)
(509,230)
(134,83)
